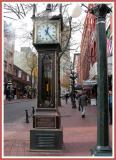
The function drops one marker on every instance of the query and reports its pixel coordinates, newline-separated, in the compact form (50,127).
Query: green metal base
(46,139)
(102,151)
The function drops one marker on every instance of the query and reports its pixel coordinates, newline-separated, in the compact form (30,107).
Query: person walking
(66,97)
(110,105)
(83,103)
(79,101)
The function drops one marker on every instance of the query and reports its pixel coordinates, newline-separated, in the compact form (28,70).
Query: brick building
(87,56)
(9,42)
(19,79)
(87,61)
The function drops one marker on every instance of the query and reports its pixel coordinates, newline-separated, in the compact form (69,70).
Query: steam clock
(47,132)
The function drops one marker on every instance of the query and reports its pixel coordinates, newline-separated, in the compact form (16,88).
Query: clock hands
(46,30)
(47,33)
(50,36)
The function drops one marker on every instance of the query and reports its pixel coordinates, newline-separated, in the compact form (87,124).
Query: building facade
(87,56)
(9,43)
(87,61)
(21,81)
(13,75)
(27,61)
(20,59)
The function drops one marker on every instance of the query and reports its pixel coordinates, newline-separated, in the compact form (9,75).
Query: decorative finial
(49,7)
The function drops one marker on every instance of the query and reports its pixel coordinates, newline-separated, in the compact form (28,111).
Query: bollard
(27,116)
(33,110)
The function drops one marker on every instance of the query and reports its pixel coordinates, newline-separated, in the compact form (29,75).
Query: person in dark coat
(110,105)
(66,97)
(83,103)
(79,101)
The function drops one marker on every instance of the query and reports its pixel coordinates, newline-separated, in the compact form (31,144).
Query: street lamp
(73,77)
(102,148)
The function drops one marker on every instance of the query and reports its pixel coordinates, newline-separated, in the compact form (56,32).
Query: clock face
(47,32)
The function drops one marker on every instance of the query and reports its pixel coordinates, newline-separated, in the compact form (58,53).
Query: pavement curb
(18,101)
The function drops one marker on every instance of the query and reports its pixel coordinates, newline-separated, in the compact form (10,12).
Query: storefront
(91,89)
(19,80)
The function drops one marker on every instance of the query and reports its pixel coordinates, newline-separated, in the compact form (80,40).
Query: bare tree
(32,64)
(20,10)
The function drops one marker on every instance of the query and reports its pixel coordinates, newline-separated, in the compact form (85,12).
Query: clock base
(47,133)
(46,139)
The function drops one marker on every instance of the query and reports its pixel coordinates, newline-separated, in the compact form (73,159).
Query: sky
(22,26)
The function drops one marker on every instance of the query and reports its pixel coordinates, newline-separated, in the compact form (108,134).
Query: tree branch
(64,49)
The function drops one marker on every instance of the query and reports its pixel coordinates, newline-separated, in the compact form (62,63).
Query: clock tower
(47,132)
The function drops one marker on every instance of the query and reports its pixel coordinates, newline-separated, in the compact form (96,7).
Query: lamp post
(102,148)
(73,77)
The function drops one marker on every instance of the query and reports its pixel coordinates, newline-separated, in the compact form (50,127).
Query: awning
(89,82)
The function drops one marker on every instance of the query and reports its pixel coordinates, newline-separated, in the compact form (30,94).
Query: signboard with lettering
(45,122)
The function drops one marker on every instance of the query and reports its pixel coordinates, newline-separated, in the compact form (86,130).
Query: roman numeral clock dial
(47,33)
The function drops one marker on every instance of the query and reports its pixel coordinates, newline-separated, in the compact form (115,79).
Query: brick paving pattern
(79,135)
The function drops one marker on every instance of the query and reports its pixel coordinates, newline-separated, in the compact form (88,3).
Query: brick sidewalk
(79,135)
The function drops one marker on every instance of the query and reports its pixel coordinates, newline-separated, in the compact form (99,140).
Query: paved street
(15,109)
(79,135)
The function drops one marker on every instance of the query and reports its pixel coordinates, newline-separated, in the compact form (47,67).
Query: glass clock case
(47,84)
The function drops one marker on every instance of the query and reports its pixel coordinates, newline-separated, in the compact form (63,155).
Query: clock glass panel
(47,32)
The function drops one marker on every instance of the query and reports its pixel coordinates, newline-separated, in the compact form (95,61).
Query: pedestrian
(79,102)
(14,92)
(66,97)
(83,103)
(8,93)
(72,96)
(110,105)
